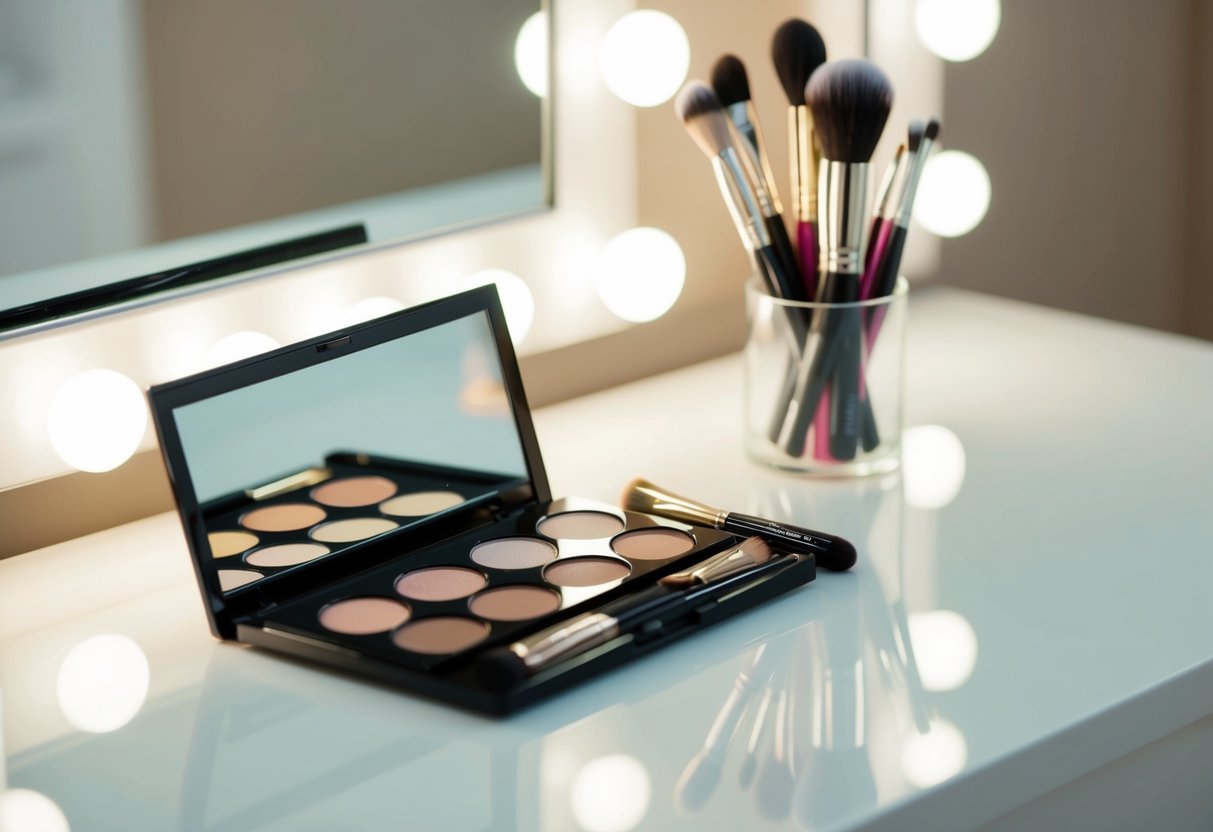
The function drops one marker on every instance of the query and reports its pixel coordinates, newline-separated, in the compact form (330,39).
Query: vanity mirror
(137,136)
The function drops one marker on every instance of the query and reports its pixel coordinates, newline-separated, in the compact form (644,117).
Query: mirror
(138,136)
(306,465)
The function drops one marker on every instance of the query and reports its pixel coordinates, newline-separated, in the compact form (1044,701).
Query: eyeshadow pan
(230,579)
(226,544)
(514,603)
(653,544)
(364,616)
(352,492)
(287,517)
(421,503)
(444,634)
(580,525)
(586,571)
(513,553)
(286,554)
(347,531)
(440,583)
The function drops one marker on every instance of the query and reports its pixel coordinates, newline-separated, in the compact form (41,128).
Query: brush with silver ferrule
(700,111)
(797,50)
(732,86)
(883,212)
(886,278)
(850,100)
(650,609)
(832,552)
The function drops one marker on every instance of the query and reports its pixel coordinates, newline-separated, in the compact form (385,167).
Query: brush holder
(823,383)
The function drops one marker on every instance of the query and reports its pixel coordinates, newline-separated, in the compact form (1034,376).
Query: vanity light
(25,810)
(929,759)
(238,345)
(644,57)
(957,30)
(611,794)
(370,308)
(103,682)
(531,54)
(97,420)
(516,299)
(954,195)
(933,466)
(945,647)
(640,273)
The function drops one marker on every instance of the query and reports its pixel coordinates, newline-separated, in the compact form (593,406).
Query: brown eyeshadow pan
(586,571)
(652,544)
(580,525)
(364,616)
(351,492)
(514,603)
(287,517)
(440,583)
(443,634)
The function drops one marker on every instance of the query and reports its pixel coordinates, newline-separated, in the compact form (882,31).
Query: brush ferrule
(803,165)
(844,188)
(909,187)
(745,118)
(752,162)
(722,565)
(550,645)
(885,197)
(738,193)
(664,504)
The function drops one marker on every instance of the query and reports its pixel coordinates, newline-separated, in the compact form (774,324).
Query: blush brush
(850,100)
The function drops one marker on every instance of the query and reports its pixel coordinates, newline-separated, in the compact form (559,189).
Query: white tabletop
(1047,549)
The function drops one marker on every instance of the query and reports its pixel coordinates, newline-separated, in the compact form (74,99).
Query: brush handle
(806,238)
(878,244)
(783,247)
(885,283)
(831,551)
(844,399)
(781,283)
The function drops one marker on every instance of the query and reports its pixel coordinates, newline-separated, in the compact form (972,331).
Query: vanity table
(1026,642)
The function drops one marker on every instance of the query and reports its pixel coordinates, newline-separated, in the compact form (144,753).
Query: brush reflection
(103,682)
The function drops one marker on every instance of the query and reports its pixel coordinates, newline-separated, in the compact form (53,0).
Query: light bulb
(945,648)
(238,345)
(640,273)
(644,57)
(957,30)
(933,466)
(370,308)
(954,195)
(25,810)
(611,794)
(531,53)
(103,683)
(97,420)
(516,299)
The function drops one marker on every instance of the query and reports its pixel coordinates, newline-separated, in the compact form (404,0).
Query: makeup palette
(350,500)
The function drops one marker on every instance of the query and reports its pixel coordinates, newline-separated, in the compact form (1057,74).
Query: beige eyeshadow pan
(351,492)
(443,634)
(286,554)
(513,553)
(230,579)
(580,525)
(586,571)
(421,503)
(347,531)
(226,544)
(286,517)
(652,544)
(440,583)
(514,603)
(364,616)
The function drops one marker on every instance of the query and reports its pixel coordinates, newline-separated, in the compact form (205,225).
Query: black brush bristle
(729,80)
(796,50)
(915,133)
(850,100)
(500,669)
(933,129)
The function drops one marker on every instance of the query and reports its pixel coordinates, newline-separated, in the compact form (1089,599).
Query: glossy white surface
(1048,555)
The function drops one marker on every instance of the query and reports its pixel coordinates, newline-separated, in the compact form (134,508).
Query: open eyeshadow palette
(375,500)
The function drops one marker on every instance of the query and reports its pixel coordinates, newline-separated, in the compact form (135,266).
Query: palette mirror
(139,136)
(315,463)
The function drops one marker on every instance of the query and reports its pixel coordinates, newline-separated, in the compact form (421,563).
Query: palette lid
(301,466)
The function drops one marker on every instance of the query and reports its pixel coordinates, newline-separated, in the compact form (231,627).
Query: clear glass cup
(823,383)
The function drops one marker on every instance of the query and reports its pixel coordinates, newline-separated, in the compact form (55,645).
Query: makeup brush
(650,610)
(700,111)
(833,553)
(890,258)
(883,212)
(850,100)
(797,50)
(732,86)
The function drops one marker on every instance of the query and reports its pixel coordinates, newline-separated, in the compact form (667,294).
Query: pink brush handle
(821,429)
(881,230)
(806,241)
